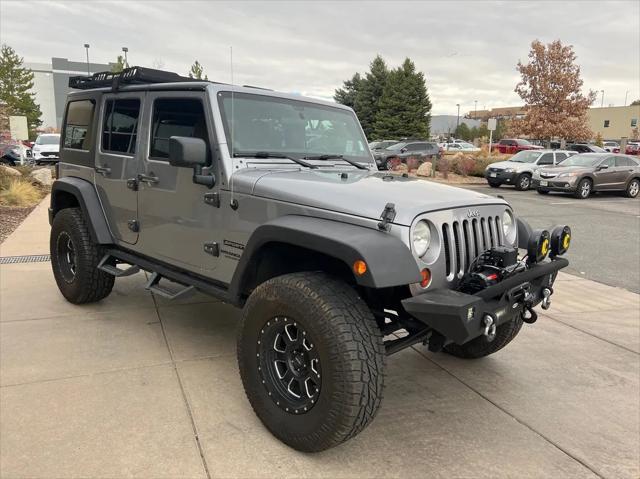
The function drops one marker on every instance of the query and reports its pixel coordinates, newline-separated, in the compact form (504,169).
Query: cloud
(467,50)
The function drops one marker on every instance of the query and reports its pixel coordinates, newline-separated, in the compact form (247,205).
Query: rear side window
(175,117)
(120,126)
(623,161)
(77,129)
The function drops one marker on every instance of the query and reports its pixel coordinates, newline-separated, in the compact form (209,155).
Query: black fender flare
(87,197)
(389,260)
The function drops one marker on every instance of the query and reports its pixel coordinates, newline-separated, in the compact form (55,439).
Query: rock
(42,176)
(424,169)
(401,168)
(7,170)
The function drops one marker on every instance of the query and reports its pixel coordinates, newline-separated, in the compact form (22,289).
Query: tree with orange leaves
(551,87)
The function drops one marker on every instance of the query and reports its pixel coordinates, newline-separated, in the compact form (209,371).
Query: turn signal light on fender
(359,267)
(426,277)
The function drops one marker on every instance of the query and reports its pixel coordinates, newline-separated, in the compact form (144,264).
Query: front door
(605,178)
(118,161)
(176,224)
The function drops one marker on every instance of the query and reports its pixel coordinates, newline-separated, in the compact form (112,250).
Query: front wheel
(542,192)
(311,358)
(494,184)
(633,188)
(523,182)
(481,346)
(583,190)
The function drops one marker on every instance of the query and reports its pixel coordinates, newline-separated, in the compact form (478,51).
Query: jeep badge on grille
(473,213)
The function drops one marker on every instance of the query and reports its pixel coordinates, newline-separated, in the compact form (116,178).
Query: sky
(467,50)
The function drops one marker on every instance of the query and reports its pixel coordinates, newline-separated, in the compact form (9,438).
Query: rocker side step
(107,266)
(153,285)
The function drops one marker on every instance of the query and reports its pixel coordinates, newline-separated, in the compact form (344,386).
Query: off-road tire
(523,182)
(542,192)
(494,184)
(481,346)
(351,355)
(582,192)
(632,188)
(88,284)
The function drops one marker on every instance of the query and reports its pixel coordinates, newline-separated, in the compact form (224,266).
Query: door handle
(148,179)
(103,170)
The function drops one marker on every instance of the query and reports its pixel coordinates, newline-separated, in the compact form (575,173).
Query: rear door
(118,162)
(175,220)
(625,169)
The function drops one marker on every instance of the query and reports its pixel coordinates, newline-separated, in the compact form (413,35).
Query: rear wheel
(481,346)
(75,258)
(311,359)
(584,189)
(523,182)
(633,188)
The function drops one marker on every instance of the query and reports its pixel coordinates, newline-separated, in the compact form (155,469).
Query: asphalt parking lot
(606,231)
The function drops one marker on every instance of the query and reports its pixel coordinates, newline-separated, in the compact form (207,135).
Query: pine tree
(462,132)
(347,94)
(367,100)
(404,108)
(16,83)
(119,65)
(197,71)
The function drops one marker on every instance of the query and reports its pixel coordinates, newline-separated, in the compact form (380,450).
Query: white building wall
(44,92)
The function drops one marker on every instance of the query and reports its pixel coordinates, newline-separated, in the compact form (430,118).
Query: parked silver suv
(273,203)
(518,170)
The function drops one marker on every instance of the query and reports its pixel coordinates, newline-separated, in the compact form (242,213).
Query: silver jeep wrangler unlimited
(273,203)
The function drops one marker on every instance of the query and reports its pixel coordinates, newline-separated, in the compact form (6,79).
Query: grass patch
(20,191)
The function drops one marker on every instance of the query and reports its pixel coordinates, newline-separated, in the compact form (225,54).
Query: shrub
(19,193)
(412,163)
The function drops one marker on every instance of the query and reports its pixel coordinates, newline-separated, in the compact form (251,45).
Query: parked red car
(632,149)
(515,145)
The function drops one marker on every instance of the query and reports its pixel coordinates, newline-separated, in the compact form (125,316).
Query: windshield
(583,160)
(288,127)
(523,142)
(397,146)
(48,140)
(525,157)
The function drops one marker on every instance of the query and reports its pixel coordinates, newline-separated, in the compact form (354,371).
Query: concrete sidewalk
(135,386)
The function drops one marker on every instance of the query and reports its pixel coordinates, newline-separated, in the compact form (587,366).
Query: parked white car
(46,148)
(461,146)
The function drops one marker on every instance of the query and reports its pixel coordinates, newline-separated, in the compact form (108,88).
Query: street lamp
(625,97)
(125,50)
(86,47)
(475,111)
(602,99)
(458,118)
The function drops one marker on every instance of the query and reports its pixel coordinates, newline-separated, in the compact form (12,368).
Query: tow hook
(529,316)
(489,327)
(546,298)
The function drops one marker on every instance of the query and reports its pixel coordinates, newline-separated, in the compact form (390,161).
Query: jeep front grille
(464,241)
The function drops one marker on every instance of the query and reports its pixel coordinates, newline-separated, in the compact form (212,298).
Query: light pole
(625,97)
(457,119)
(126,63)
(475,111)
(86,47)
(602,99)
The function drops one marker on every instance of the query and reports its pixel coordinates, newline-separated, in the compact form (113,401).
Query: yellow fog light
(560,240)
(538,247)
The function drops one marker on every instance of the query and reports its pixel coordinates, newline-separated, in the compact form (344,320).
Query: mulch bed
(11,217)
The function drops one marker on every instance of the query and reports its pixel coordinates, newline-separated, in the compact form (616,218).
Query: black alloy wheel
(289,365)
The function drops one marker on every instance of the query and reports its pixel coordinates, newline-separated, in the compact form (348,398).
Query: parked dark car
(381,144)
(10,153)
(585,148)
(386,159)
(588,172)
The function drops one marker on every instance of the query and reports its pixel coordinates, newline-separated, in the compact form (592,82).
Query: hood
(556,170)
(47,148)
(516,165)
(361,193)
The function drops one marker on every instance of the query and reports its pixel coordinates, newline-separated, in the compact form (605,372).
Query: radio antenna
(234,202)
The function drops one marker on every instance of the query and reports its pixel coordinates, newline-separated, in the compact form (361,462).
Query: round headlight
(421,238)
(509,228)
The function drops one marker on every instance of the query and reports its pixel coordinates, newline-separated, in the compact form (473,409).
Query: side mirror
(602,167)
(403,150)
(187,152)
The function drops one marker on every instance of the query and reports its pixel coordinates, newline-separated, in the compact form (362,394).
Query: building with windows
(615,122)
(51,85)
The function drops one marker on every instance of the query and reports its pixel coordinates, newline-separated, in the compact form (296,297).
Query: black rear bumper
(459,316)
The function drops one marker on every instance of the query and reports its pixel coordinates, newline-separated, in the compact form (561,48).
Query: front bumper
(563,184)
(52,157)
(501,176)
(459,317)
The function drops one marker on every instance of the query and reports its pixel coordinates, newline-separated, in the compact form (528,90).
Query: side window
(413,147)
(77,129)
(634,122)
(546,159)
(611,161)
(622,161)
(560,157)
(175,117)
(120,126)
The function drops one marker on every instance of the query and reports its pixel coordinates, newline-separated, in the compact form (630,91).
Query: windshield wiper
(337,157)
(267,154)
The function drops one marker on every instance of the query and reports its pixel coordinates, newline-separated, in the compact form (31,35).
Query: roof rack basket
(128,76)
